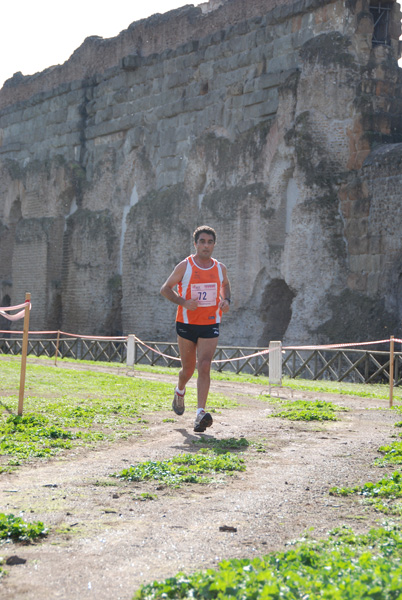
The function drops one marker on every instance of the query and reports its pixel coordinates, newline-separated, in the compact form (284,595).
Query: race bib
(204,293)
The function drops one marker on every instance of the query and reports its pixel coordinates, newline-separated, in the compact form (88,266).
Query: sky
(36,34)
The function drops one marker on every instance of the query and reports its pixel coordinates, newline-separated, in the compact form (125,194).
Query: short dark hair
(204,229)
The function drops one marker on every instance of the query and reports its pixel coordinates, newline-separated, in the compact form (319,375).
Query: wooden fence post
(391,370)
(24,354)
(57,348)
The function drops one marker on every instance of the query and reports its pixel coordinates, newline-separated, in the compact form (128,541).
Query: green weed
(223,445)
(388,488)
(32,435)
(392,454)
(146,496)
(306,410)
(346,566)
(17,530)
(184,468)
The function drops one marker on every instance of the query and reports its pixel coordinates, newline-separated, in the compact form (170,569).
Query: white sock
(181,392)
(200,410)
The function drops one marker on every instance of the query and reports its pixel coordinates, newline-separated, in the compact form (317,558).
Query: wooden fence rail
(358,366)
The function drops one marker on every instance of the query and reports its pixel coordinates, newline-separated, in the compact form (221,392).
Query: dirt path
(105,542)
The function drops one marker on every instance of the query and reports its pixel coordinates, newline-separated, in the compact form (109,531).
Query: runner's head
(204,229)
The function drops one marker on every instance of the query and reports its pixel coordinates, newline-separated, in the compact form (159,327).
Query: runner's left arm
(224,304)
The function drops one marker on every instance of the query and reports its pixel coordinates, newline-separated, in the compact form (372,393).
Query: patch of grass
(259,446)
(146,496)
(392,454)
(184,468)
(375,391)
(346,565)
(306,410)
(388,488)
(17,530)
(32,435)
(363,390)
(223,445)
(64,408)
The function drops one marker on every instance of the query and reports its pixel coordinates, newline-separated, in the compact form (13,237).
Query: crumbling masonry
(277,122)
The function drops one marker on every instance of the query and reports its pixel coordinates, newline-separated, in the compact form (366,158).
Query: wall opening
(276,311)
(381,13)
(15,212)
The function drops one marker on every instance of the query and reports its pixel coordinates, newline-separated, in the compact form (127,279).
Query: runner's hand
(224,306)
(190,304)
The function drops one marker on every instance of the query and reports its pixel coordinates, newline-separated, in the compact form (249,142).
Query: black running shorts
(193,332)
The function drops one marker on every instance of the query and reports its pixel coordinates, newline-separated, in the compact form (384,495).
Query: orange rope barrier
(350,345)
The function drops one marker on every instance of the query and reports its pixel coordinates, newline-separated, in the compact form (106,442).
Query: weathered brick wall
(258,124)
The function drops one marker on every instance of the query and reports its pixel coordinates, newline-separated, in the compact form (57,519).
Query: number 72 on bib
(204,293)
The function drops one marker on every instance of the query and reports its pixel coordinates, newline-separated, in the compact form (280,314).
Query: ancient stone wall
(278,123)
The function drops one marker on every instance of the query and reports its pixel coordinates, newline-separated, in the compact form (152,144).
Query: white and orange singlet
(203,285)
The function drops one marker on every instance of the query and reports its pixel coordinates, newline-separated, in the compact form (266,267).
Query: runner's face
(205,245)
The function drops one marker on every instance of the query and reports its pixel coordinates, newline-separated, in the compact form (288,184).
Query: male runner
(203,294)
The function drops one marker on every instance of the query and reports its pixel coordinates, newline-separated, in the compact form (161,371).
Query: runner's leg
(188,355)
(205,352)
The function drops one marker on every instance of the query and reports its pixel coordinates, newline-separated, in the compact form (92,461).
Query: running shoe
(178,403)
(202,421)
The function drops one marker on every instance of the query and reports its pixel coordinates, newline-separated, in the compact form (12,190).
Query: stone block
(103,115)
(10,148)
(357,282)
(255,98)
(375,243)
(238,61)
(239,44)
(206,70)
(191,60)
(167,149)
(195,104)
(131,62)
(57,116)
(282,63)
(267,108)
(213,53)
(166,179)
(134,139)
(121,96)
(284,45)
(373,283)
(250,85)
(269,80)
(172,163)
(235,89)
(190,47)
(169,110)
(244,125)
(108,127)
(358,246)
(179,78)
(221,65)
(356,227)
(120,110)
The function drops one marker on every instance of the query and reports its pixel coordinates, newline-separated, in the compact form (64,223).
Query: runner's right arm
(168,292)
